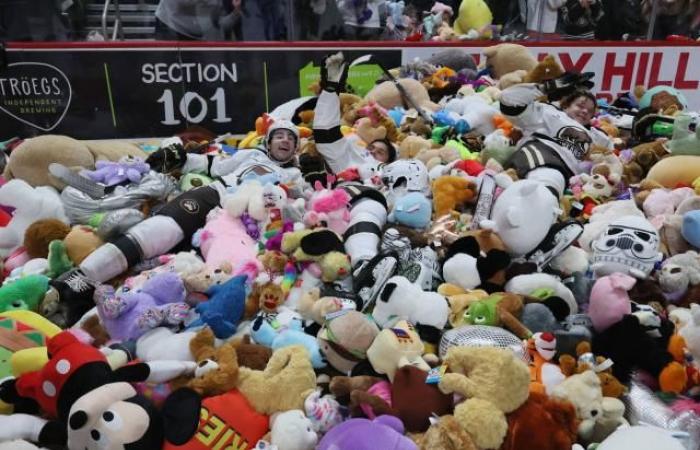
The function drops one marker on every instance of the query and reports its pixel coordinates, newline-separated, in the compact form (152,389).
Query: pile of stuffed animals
(263,332)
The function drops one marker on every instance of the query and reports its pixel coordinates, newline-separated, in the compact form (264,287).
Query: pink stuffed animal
(224,239)
(609,300)
(329,207)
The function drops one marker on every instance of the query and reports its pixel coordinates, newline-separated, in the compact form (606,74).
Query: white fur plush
(526,284)
(31,204)
(248,197)
(572,260)
(292,430)
(401,299)
(461,270)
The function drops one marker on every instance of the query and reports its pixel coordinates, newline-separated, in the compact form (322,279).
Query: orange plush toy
(542,423)
(542,347)
(451,191)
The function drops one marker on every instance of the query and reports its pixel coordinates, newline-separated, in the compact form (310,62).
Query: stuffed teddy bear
(283,385)
(451,191)
(585,360)
(80,241)
(679,273)
(494,382)
(290,430)
(584,392)
(127,314)
(445,434)
(30,160)
(315,308)
(217,368)
(30,204)
(542,423)
(40,233)
(413,146)
(505,58)
(388,97)
(396,347)
(112,173)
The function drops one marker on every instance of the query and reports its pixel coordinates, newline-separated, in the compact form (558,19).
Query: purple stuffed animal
(385,432)
(128,314)
(112,173)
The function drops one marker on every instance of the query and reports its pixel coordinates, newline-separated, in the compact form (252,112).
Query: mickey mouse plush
(89,405)
(465,265)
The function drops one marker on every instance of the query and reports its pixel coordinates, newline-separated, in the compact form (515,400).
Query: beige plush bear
(507,58)
(494,382)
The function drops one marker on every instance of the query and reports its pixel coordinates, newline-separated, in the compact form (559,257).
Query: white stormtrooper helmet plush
(628,245)
(405,176)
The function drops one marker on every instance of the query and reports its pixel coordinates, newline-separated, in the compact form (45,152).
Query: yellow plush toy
(473,15)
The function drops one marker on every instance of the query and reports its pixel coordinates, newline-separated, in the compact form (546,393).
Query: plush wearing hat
(285,383)
(494,382)
(344,340)
(396,347)
(40,233)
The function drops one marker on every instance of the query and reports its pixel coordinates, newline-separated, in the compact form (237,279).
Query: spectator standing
(541,18)
(188,20)
(361,18)
(622,19)
(674,17)
(579,18)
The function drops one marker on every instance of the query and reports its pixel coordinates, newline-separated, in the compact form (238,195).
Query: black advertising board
(98,93)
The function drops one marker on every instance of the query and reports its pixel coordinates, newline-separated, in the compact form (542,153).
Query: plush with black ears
(76,381)
(465,265)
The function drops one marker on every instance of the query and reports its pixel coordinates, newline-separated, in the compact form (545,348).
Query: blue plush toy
(224,309)
(412,210)
(690,229)
(263,333)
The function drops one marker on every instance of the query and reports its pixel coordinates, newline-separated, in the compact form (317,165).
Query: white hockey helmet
(408,175)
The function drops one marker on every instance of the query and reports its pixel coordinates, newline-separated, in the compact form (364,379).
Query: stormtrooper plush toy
(628,245)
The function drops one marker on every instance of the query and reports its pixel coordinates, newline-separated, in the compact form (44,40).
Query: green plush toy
(194,180)
(59,262)
(684,141)
(498,310)
(25,293)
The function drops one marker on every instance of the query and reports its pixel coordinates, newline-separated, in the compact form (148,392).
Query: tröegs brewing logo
(37,94)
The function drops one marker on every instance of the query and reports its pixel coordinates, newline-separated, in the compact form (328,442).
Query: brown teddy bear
(30,160)
(494,382)
(645,156)
(445,434)
(283,385)
(506,58)
(217,368)
(252,356)
(569,365)
(40,233)
(449,192)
